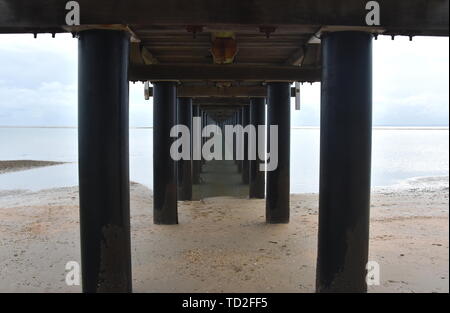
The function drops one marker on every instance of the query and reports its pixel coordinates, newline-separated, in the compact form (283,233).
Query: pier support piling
(204,139)
(196,164)
(184,167)
(239,122)
(278,180)
(104,161)
(345,161)
(245,162)
(257,177)
(164,167)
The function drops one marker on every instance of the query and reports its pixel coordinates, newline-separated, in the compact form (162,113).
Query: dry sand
(20,165)
(223,244)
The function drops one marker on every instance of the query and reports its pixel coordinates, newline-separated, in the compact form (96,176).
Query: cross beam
(222,102)
(225,92)
(230,72)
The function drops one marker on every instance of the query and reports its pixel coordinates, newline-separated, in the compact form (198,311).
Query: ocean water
(399,154)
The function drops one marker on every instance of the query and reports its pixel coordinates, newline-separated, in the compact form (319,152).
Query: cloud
(410,84)
(38,80)
(411,81)
(141,110)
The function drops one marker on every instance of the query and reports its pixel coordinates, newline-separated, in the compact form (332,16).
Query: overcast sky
(38,84)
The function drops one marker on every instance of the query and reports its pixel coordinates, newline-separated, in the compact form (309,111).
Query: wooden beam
(215,92)
(148,57)
(135,54)
(297,57)
(211,91)
(415,17)
(214,28)
(312,56)
(222,102)
(229,72)
(139,55)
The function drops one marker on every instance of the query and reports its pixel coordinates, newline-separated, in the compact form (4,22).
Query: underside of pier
(229,61)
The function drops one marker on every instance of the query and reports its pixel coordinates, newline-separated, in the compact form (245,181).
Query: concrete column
(103,164)
(257,177)
(196,164)
(278,184)
(345,161)
(164,167)
(184,170)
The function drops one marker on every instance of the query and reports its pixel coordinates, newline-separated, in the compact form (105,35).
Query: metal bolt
(268,30)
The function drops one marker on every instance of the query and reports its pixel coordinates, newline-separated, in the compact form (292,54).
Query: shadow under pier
(220,179)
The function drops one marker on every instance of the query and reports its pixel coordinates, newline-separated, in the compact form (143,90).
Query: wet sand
(21,165)
(223,245)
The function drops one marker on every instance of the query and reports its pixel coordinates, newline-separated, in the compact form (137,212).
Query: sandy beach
(223,244)
(21,165)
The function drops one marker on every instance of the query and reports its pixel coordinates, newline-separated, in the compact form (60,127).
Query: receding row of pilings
(346,107)
(175,181)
